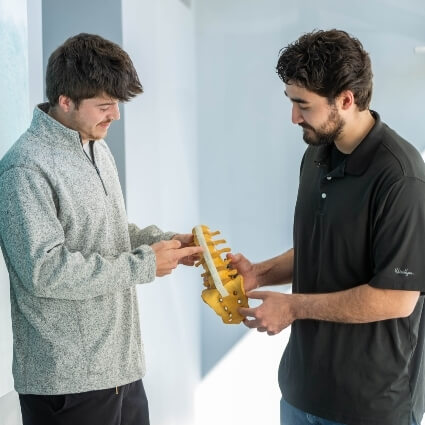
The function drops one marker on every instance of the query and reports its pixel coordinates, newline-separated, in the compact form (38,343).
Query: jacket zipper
(93,162)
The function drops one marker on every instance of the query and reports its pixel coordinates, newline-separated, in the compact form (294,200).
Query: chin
(310,141)
(99,136)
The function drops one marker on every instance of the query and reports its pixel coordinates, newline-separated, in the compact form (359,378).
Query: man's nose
(115,113)
(297,117)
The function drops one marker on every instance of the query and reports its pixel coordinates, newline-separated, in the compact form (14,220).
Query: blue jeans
(290,415)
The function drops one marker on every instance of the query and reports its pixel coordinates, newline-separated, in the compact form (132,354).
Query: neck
(52,112)
(56,114)
(355,131)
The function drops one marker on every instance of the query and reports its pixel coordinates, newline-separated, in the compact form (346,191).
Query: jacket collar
(359,160)
(52,132)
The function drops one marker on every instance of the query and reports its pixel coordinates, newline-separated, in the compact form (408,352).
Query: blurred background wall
(14,87)
(210,141)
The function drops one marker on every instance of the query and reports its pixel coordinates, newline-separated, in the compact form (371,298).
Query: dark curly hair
(87,65)
(327,63)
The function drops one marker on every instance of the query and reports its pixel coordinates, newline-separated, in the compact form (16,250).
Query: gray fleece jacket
(73,262)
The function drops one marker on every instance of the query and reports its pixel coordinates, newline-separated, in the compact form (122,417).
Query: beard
(87,130)
(326,133)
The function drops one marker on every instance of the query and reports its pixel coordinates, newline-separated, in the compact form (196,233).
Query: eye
(303,108)
(103,109)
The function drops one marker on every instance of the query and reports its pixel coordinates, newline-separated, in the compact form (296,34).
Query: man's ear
(346,100)
(65,103)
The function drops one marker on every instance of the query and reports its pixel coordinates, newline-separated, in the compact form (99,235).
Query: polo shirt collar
(359,160)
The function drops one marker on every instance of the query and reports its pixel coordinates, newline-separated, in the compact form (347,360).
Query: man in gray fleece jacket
(73,259)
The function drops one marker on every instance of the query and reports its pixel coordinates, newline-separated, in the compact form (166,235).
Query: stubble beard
(327,133)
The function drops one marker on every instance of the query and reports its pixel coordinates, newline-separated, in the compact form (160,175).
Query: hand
(169,254)
(186,240)
(246,269)
(273,315)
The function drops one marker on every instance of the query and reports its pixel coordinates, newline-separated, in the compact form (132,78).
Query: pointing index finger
(188,251)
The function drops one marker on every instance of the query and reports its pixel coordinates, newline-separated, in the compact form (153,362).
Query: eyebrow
(106,104)
(296,99)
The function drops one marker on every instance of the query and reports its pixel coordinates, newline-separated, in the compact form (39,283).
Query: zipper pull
(116,389)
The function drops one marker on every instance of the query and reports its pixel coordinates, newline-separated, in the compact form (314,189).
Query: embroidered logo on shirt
(404,272)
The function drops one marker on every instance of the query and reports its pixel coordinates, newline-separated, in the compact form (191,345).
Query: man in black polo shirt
(355,355)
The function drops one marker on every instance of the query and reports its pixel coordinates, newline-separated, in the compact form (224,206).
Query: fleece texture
(74,262)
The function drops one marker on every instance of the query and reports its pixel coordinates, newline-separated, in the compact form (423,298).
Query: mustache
(304,125)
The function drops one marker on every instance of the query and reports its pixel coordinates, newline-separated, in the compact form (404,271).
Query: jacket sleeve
(33,244)
(147,236)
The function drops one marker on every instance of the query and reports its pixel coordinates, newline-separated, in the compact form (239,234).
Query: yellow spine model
(224,291)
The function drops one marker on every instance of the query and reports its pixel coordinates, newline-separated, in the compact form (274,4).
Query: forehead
(300,94)
(100,100)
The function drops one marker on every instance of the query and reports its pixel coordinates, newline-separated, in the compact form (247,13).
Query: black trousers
(103,407)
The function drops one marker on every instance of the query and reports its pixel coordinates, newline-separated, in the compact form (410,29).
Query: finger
(257,295)
(171,244)
(187,261)
(261,329)
(185,238)
(191,260)
(234,258)
(271,333)
(252,324)
(247,311)
(188,251)
(195,257)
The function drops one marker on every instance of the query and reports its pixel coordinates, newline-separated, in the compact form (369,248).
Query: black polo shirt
(361,222)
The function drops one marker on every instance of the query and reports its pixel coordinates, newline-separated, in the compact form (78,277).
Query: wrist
(297,306)
(257,275)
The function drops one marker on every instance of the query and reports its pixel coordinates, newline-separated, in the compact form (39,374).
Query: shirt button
(329,177)
(323,195)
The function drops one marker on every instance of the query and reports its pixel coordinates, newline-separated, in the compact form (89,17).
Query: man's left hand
(272,316)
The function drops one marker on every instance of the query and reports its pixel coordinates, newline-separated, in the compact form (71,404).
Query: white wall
(162,188)
(14,112)
(250,159)
(35,53)
(19,72)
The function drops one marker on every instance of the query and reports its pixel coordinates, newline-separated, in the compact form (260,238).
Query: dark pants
(103,407)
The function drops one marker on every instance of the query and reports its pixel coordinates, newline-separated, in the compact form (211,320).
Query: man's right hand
(168,254)
(246,269)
